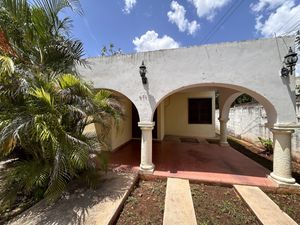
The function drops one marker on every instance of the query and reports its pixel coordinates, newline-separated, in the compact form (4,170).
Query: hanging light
(290,61)
(143,71)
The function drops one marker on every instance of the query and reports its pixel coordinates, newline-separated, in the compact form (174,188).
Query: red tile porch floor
(195,161)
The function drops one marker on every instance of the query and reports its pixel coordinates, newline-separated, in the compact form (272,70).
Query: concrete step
(179,208)
(264,208)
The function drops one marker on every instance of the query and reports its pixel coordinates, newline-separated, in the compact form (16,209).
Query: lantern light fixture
(290,61)
(143,71)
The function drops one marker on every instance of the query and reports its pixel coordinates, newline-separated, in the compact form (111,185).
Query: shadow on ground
(81,206)
(267,163)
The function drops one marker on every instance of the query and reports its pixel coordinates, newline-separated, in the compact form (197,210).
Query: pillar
(146,147)
(223,131)
(282,159)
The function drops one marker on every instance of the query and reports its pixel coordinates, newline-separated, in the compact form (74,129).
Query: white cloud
(208,8)
(177,16)
(269,4)
(129,4)
(150,41)
(276,16)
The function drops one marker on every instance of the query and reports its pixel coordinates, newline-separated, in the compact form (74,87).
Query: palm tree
(44,104)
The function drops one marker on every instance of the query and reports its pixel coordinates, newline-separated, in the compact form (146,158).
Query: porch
(201,161)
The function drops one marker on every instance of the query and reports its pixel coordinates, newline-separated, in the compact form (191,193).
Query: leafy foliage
(110,50)
(44,105)
(267,144)
(244,98)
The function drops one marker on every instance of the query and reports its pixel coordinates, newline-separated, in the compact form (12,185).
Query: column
(282,159)
(146,147)
(223,131)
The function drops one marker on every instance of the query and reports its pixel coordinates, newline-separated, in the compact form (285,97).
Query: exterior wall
(298,86)
(239,66)
(176,115)
(122,133)
(161,121)
(247,122)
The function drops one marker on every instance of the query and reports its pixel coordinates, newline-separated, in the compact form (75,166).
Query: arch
(124,95)
(225,108)
(268,106)
(127,128)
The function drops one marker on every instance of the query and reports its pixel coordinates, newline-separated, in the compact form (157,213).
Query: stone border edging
(124,198)
(260,212)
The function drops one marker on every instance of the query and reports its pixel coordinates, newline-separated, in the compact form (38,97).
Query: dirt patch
(289,203)
(220,205)
(145,205)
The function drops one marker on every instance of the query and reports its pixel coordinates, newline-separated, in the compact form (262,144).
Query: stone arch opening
(126,130)
(246,119)
(232,89)
(190,156)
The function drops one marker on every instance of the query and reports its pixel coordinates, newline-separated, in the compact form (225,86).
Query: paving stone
(264,208)
(179,208)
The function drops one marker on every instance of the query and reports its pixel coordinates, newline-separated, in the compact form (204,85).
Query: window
(200,110)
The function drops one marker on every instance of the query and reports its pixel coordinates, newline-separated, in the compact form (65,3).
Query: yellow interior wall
(161,121)
(120,133)
(123,132)
(176,115)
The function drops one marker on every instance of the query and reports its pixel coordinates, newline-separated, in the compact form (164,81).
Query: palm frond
(6,65)
(53,7)
(43,96)
(44,104)
(74,84)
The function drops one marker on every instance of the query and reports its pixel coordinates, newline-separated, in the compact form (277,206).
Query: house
(176,95)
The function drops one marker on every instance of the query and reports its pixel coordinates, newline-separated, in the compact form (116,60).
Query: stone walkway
(102,205)
(263,207)
(179,208)
(83,207)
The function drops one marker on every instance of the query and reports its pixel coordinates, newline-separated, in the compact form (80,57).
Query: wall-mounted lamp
(143,71)
(290,61)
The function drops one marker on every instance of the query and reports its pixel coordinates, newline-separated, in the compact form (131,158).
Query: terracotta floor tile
(195,161)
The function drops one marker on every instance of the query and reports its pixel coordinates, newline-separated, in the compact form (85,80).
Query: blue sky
(143,25)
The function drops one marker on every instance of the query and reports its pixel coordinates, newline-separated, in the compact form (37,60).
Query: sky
(146,25)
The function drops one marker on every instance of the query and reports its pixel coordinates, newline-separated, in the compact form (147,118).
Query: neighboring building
(298,89)
(179,95)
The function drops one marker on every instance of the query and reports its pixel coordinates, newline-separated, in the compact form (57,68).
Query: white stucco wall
(250,67)
(247,122)
(176,115)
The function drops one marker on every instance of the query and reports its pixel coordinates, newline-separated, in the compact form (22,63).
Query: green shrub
(267,144)
(44,104)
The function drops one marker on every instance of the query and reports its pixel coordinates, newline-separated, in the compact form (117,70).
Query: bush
(267,144)
(44,104)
